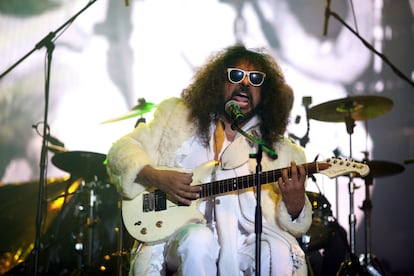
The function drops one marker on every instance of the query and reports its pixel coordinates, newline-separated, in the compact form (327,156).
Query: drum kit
(348,110)
(81,220)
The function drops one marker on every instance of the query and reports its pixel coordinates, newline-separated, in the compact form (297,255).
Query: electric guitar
(151,217)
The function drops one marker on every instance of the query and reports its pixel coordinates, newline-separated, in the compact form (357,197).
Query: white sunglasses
(236,75)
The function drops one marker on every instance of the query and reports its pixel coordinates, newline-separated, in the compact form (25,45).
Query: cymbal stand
(351,266)
(350,124)
(91,221)
(367,208)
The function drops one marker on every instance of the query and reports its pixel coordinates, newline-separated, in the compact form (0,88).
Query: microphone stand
(258,212)
(371,48)
(50,46)
(48,43)
(48,38)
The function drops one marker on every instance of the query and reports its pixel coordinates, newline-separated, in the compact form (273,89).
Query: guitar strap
(218,140)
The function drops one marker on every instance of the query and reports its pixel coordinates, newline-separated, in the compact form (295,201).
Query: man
(195,129)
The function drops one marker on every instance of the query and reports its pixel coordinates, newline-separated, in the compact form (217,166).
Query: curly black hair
(204,96)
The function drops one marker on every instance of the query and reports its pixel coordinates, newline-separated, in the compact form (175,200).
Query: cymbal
(81,164)
(138,110)
(359,108)
(379,168)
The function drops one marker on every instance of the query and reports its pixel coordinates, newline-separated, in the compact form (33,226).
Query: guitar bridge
(154,201)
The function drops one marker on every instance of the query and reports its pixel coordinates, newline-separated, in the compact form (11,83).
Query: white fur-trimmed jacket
(156,144)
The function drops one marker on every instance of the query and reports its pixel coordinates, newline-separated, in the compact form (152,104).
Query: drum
(82,240)
(323,223)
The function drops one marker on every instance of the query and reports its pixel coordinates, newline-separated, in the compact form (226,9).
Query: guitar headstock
(340,167)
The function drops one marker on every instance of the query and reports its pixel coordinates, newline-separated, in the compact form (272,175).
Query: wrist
(146,175)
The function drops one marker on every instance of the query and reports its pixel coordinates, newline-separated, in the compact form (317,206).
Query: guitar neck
(247,181)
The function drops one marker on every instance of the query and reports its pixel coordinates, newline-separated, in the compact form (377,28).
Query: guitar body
(157,222)
(157,225)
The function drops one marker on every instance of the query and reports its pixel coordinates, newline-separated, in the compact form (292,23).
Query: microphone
(54,141)
(233,110)
(327,14)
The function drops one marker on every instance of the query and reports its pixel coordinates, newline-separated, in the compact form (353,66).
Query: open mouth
(242,99)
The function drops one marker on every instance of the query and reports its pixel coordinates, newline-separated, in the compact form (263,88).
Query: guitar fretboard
(247,181)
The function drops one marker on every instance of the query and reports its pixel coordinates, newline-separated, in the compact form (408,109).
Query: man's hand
(292,187)
(174,183)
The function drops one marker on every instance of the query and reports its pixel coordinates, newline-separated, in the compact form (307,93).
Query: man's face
(246,94)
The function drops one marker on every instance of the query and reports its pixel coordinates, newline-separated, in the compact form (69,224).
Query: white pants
(194,250)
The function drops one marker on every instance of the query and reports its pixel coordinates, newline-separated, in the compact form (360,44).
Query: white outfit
(228,238)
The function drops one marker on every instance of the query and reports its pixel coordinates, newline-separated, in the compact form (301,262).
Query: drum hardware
(91,222)
(90,225)
(353,263)
(67,242)
(140,109)
(83,207)
(91,168)
(366,260)
(349,110)
(322,223)
(377,169)
(306,102)
(88,166)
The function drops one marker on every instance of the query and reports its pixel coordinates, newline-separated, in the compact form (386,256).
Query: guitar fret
(204,190)
(246,181)
(264,177)
(228,185)
(231,184)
